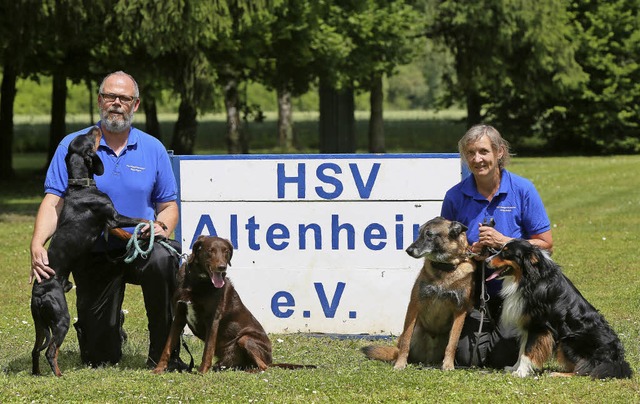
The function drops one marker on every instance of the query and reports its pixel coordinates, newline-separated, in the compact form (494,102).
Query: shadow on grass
(69,361)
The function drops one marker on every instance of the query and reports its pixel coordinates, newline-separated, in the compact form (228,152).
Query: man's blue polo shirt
(135,181)
(517,208)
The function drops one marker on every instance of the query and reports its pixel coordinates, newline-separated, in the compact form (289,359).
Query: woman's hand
(489,237)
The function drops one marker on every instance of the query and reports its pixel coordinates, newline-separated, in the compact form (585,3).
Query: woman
(514,205)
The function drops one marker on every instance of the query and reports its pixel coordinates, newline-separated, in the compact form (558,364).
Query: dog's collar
(443,266)
(83,182)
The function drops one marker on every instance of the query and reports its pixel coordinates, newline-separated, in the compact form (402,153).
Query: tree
(70,33)
(20,25)
(236,57)
(376,36)
(385,38)
(499,49)
(290,60)
(173,34)
(602,115)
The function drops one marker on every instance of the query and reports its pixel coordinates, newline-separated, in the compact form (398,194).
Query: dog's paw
(521,372)
(525,367)
(399,365)
(448,365)
(157,371)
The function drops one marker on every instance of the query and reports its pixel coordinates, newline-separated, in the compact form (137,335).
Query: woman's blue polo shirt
(517,208)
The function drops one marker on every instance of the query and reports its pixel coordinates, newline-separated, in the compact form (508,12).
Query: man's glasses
(125,99)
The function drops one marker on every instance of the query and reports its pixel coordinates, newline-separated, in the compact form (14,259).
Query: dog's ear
(533,261)
(94,135)
(456,229)
(196,249)
(230,254)
(96,164)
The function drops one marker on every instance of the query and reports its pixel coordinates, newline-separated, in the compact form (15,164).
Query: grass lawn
(594,206)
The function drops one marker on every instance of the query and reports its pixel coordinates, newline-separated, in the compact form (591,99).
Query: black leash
(483,312)
(483,300)
(186,348)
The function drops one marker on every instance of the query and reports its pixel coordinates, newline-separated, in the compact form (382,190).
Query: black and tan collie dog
(551,314)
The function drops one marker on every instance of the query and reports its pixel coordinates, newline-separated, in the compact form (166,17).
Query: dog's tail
(291,366)
(617,370)
(381,353)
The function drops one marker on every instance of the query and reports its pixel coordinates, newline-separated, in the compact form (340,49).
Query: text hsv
(328,231)
(329,175)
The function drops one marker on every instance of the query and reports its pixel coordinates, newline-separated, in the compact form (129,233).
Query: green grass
(593,203)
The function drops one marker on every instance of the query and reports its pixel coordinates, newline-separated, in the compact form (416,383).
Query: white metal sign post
(319,239)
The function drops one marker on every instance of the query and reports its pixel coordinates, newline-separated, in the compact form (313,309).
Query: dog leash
(134,249)
(483,311)
(133,245)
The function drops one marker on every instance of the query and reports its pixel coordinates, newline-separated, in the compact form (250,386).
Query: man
(139,179)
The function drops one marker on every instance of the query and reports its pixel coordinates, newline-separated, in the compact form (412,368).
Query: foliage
(365,37)
(591,202)
(500,48)
(602,115)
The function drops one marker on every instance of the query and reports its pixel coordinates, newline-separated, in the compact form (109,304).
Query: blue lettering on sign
(299,180)
(277,236)
(283,301)
(336,227)
(204,222)
(328,174)
(327,179)
(375,231)
(329,309)
(275,232)
(364,189)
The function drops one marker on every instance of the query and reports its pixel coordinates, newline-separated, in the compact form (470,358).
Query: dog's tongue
(494,275)
(217,279)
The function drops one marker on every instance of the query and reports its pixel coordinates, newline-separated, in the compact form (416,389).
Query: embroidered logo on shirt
(136,169)
(502,208)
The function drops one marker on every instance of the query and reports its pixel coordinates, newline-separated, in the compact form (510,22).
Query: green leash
(134,250)
(133,245)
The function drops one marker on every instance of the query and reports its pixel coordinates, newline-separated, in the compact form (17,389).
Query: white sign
(319,239)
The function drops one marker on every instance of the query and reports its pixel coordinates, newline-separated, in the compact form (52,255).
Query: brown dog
(207,301)
(440,299)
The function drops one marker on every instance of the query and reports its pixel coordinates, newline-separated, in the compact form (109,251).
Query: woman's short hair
(497,142)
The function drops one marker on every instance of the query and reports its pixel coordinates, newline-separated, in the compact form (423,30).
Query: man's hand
(40,264)
(159,230)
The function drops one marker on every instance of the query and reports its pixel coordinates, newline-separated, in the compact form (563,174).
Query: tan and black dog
(440,299)
(207,302)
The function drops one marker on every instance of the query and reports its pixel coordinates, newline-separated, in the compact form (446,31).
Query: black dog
(86,213)
(550,313)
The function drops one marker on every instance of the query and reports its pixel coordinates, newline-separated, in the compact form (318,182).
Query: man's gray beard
(115,125)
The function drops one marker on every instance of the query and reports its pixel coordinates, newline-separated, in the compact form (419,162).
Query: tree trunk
(337,120)
(185,129)
(236,141)
(7,98)
(57,126)
(92,101)
(152,125)
(286,137)
(474,106)
(376,122)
